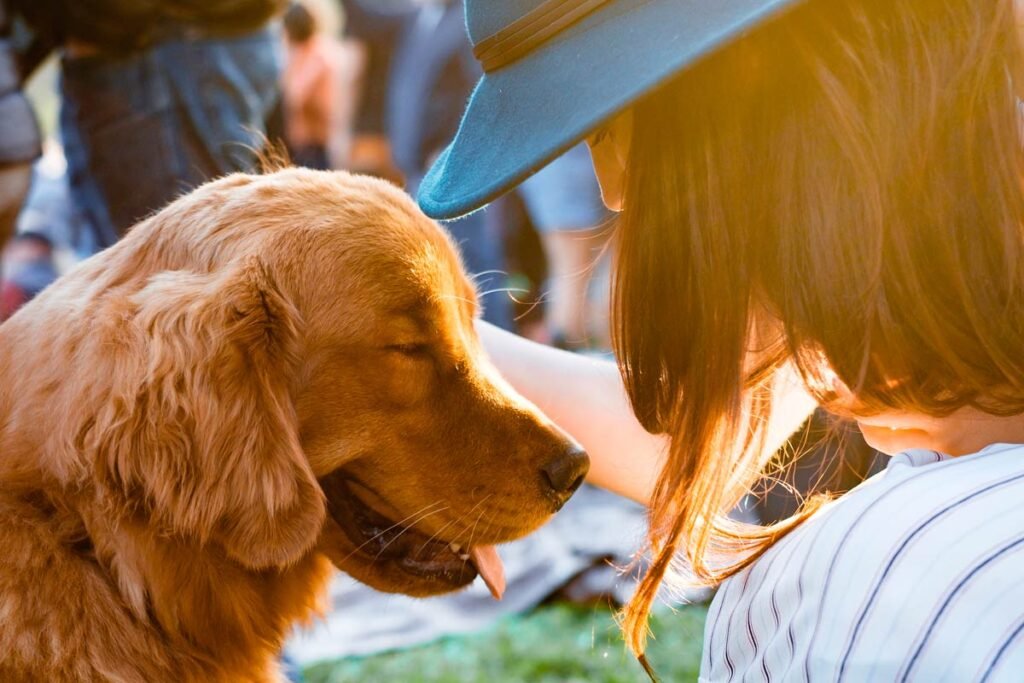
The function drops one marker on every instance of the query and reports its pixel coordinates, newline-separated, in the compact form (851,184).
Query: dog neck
(194,594)
(167,608)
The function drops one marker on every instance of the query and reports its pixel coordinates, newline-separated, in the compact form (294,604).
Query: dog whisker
(474,509)
(407,527)
(476,276)
(472,533)
(453,297)
(393,526)
(457,520)
(436,534)
(404,520)
(508,290)
(533,304)
(487,527)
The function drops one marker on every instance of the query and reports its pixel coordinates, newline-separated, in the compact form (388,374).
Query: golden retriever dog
(273,375)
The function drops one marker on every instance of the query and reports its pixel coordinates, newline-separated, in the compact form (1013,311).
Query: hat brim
(526,114)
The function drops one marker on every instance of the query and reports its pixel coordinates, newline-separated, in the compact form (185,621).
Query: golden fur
(173,411)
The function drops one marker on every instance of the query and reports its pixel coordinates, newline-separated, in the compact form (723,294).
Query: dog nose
(566,472)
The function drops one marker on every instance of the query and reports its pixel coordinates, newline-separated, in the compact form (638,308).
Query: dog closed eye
(410,348)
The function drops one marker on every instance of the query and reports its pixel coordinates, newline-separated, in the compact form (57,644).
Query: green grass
(555,644)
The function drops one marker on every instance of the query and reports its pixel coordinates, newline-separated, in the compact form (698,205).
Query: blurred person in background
(374,28)
(308,88)
(19,139)
(564,203)
(432,73)
(320,85)
(158,96)
(19,134)
(50,234)
(28,269)
(350,58)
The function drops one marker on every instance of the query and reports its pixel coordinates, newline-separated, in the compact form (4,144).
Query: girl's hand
(586,398)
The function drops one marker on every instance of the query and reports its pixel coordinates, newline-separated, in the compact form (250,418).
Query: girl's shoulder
(922,493)
(916,569)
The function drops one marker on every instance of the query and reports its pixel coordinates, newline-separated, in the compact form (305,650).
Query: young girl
(818,198)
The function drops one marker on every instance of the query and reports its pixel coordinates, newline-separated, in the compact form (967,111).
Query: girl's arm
(586,398)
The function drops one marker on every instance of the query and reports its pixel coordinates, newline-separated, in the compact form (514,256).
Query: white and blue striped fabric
(915,575)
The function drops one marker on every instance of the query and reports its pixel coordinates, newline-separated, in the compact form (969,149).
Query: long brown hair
(841,192)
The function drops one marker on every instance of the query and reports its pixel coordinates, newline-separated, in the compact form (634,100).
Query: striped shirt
(915,575)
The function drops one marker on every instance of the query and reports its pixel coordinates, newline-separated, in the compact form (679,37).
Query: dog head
(296,368)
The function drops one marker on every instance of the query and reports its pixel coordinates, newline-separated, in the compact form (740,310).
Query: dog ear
(201,429)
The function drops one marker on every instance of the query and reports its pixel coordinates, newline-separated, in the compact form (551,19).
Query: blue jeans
(143,129)
(564,195)
(480,237)
(481,240)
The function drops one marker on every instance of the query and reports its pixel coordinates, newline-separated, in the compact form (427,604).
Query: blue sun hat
(555,69)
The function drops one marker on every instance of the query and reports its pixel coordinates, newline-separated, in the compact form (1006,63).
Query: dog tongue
(492,571)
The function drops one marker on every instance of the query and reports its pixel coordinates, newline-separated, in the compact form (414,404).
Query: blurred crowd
(158,96)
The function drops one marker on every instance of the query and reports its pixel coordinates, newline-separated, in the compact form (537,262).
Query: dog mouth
(379,539)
